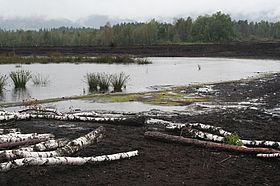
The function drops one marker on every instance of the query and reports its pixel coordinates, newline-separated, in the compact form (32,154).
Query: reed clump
(39,79)
(102,81)
(92,81)
(20,78)
(118,81)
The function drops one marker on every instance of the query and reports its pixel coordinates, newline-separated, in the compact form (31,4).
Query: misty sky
(140,9)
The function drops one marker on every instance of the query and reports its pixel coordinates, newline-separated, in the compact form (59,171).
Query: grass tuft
(233,139)
(118,81)
(92,81)
(39,79)
(20,78)
(104,81)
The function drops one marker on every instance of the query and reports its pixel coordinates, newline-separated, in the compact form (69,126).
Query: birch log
(13,137)
(40,110)
(204,135)
(172,126)
(21,143)
(262,143)
(272,155)
(211,128)
(7,131)
(245,142)
(207,144)
(125,120)
(4,167)
(70,148)
(43,146)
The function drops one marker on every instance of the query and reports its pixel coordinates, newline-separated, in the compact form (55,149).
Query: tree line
(215,28)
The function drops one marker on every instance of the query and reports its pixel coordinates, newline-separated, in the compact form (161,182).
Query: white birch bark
(43,146)
(11,138)
(172,126)
(4,167)
(40,110)
(70,148)
(262,143)
(64,117)
(212,128)
(206,136)
(212,137)
(7,131)
(273,155)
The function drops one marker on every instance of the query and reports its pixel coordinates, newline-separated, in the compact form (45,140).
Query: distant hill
(35,23)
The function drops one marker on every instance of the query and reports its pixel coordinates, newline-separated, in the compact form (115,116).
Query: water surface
(68,79)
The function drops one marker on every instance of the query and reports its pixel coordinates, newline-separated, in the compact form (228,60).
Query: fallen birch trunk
(216,138)
(7,131)
(172,126)
(262,143)
(204,135)
(273,155)
(128,120)
(4,167)
(212,137)
(40,110)
(13,137)
(211,128)
(207,144)
(21,143)
(70,148)
(43,146)
(33,113)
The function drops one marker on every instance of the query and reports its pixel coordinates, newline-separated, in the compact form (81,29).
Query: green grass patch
(166,98)
(233,139)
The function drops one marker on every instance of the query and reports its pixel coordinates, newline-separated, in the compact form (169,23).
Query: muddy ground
(252,114)
(257,50)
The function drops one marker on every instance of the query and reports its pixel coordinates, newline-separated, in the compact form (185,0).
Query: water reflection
(2,96)
(20,94)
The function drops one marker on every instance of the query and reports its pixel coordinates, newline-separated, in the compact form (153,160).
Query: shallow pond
(68,79)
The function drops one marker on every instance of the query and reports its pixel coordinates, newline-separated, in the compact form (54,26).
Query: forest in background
(215,28)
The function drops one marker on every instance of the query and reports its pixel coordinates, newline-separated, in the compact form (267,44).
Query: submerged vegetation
(39,79)
(3,79)
(60,58)
(20,78)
